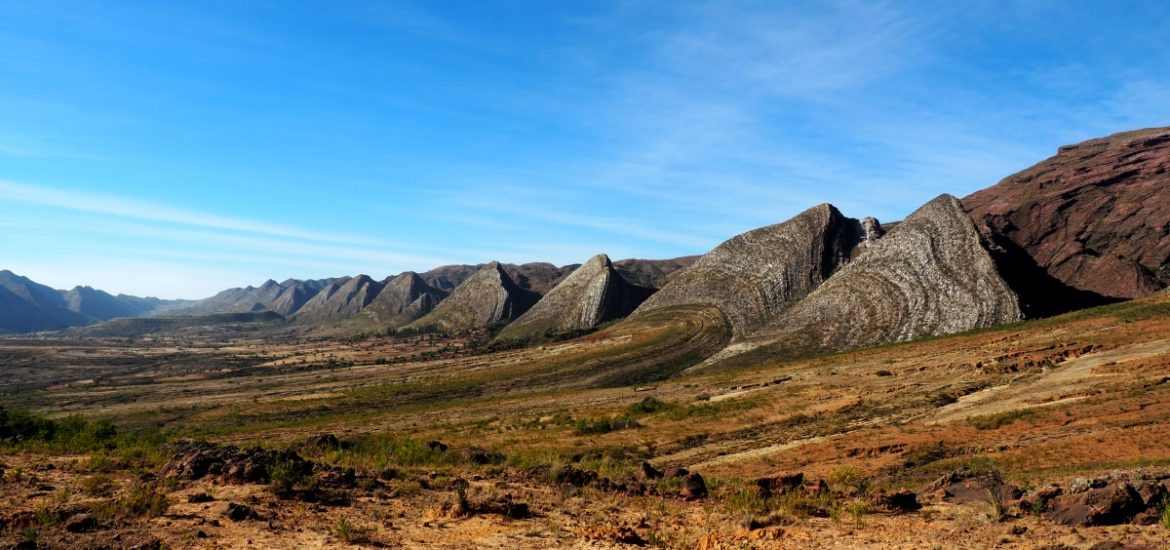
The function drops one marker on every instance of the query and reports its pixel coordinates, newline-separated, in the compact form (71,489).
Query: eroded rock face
(591,295)
(1095,217)
(929,275)
(403,299)
(341,299)
(538,277)
(488,298)
(753,276)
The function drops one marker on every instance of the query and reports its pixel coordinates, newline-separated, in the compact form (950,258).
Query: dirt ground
(1044,402)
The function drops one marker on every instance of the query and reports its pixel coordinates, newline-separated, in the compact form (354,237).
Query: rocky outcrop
(403,299)
(541,277)
(753,276)
(593,294)
(1095,217)
(538,277)
(652,273)
(486,299)
(340,300)
(929,275)
(295,296)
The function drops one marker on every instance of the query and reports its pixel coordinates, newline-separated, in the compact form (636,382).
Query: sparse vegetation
(351,532)
(999,420)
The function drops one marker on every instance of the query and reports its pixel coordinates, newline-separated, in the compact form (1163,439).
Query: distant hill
(403,299)
(652,273)
(488,298)
(541,277)
(592,294)
(27,306)
(227,325)
(340,299)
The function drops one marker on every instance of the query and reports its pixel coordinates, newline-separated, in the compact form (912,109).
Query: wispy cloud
(125,207)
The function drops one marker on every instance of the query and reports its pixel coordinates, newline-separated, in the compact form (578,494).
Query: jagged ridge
(752,276)
(488,298)
(593,294)
(930,275)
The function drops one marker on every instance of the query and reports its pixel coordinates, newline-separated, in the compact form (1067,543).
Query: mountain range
(1089,225)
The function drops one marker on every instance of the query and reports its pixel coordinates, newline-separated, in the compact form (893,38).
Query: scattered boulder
(1037,499)
(693,487)
(480,455)
(324,441)
(898,501)
(81,523)
(573,476)
(779,483)
(198,498)
(240,512)
(1110,505)
(648,472)
(231,464)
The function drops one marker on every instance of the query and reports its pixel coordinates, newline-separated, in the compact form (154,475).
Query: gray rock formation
(593,294)
(403,299)
(753,276)
(930,275)
(295,296)
(340,300)
(652,273)
(487,298)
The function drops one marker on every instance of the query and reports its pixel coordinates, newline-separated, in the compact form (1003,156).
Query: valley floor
(544,447)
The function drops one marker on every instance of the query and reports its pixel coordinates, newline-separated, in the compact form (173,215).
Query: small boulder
(693,487)
(480,455)
(81,523)
(648,472)
(573,476)
(240,512)
(898,501)
(779,484)
(1110,505)
(199,498)
(1037,499)
(324,441)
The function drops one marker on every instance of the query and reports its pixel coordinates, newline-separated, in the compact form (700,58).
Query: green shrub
(351,532)
(649,405)
(996,421)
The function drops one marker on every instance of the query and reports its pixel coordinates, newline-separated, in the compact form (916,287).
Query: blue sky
(175,150)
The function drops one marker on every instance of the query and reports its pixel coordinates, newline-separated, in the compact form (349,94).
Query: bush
(605,425)
(286,476)
(649,405)
(70,434)
(351,532)
(996,421)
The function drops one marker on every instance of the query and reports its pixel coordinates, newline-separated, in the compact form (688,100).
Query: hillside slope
(930,275)
(593,294)
(340,299)
(403,299)
(487,298)
(1095,217)
(754,275)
